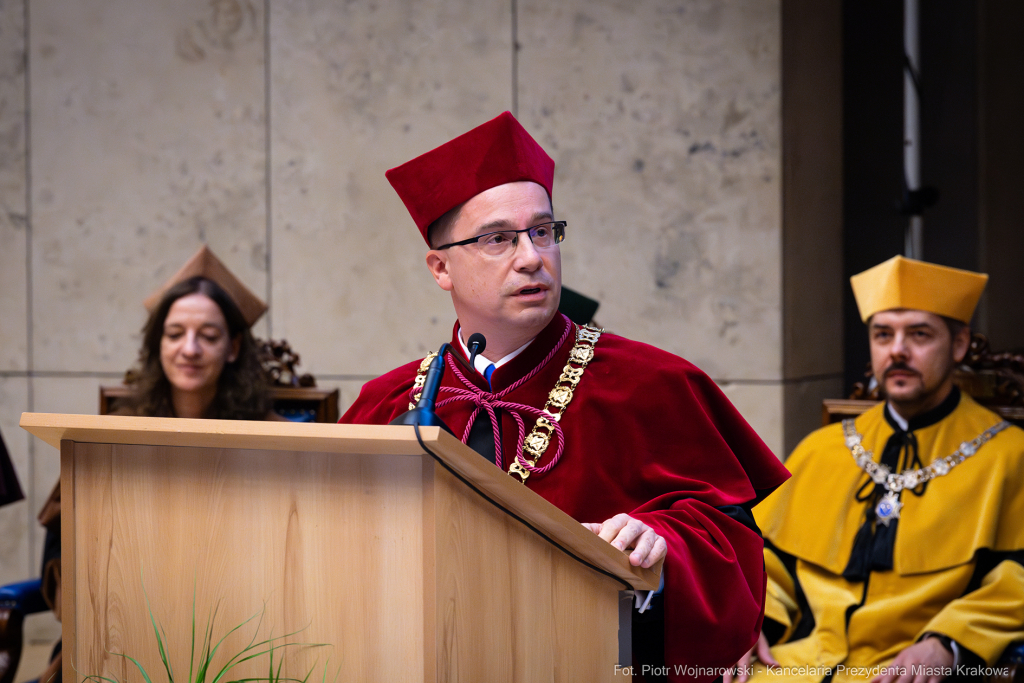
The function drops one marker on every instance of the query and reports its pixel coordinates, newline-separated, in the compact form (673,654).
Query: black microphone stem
(432,382)
(476,344)
(423,413)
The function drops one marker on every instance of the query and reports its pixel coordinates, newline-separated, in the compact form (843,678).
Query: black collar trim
(936,414)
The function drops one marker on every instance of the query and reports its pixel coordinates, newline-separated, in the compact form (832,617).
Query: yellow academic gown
(969,519)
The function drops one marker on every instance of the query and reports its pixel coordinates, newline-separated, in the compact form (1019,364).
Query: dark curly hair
(242,388)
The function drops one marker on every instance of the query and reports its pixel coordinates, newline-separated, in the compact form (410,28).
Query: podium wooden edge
(68,560)
(518,499)
(253,435)
(498,487)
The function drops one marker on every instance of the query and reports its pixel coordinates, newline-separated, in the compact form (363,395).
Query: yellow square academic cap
(906,283)
(205,264)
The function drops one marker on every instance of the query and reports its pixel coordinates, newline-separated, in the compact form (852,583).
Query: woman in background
(198,357)
(199,360)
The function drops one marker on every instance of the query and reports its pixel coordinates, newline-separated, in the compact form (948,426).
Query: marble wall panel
(663,120)
(148,138)
(761,406)
(13,219)
(15,519)
(357,88)
(348,393)
(802,412)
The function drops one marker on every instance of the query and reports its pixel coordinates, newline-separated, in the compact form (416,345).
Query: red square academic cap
(494,153)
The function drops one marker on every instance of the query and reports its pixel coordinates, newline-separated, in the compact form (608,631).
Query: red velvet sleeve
(670,449)
(382,399)
(714,585)
(714,574)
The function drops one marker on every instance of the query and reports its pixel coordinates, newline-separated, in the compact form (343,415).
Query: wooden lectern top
(255,435)
(336,438)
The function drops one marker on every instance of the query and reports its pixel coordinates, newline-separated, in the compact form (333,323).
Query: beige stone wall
(142,128)
(14,286)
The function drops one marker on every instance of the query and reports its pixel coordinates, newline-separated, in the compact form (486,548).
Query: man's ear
(961,343)
(437,262)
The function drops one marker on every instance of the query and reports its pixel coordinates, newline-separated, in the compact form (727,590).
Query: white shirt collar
(480,363)
(897,417)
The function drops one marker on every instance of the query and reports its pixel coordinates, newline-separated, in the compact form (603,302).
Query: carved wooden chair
(995,380)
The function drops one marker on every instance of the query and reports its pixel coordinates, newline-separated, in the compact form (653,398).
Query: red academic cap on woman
(494,153)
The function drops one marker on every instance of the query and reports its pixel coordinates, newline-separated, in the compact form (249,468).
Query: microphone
(423,413)
(476,345)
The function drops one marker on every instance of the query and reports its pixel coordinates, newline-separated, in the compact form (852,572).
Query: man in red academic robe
(646,451)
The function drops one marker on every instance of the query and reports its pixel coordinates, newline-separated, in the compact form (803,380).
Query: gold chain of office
(537,441)
(421,377)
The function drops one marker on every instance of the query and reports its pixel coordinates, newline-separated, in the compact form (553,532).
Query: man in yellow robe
(895,551)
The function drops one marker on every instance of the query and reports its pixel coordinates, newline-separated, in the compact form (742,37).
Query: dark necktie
(481,436)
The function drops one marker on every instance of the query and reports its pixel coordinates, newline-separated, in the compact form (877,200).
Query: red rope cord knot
(487,401)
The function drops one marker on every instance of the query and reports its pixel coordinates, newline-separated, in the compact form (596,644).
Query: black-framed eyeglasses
(501,242)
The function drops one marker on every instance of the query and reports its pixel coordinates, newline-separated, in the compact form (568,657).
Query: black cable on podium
(513,515)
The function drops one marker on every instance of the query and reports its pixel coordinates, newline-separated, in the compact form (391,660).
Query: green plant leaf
(200,668)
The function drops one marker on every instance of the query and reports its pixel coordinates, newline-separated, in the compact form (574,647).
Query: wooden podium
(409,568)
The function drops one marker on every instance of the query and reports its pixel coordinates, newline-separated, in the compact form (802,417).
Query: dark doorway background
(972,87)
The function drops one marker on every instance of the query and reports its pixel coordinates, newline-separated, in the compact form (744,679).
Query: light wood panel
(334,544)
(509,606)
(562,528)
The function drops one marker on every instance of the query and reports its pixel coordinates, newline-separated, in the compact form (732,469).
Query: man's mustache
(901,367)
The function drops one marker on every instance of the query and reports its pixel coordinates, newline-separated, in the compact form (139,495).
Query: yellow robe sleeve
(780,596)
(986,620)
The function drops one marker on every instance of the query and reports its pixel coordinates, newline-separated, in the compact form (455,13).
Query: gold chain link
(421,377)
(536,443)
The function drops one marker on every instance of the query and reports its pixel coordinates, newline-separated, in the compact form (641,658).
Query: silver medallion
(888,508)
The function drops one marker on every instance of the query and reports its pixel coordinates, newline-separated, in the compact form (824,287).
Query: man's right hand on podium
(623,532)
